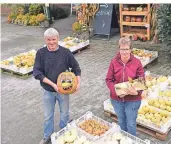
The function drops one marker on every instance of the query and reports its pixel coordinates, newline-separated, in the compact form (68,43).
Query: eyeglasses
(125,50)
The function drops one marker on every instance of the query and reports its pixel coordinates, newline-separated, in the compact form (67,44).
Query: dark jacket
(51,63)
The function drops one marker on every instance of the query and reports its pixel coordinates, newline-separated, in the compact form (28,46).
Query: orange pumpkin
(67,83)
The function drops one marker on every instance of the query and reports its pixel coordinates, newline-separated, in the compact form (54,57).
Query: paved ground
(22,111)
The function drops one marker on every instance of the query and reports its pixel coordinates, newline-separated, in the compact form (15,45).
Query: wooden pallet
(141,128)
(79,50)
(16,74)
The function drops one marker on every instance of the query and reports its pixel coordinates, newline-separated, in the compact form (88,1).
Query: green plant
(33,20)
(41,17)
(17,9)
(76,27)
(35,9)
(18,19)
(9,18)
(25,19)
(164,23)
(59,12)
(13,16)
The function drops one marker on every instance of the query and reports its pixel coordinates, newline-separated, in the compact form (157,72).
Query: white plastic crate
(89,115)
(145,60)
(160,98)
(161,85)
(164,128)
(76,47)
(130,139)
(164,96)
(108,106)
(57,135)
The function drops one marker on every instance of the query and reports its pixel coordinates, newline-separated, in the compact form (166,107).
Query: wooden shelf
(135,23)
(138,32)
(130,25)
(137,13)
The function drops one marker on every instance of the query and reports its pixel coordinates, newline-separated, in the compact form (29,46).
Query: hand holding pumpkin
(78,82)
(55,87)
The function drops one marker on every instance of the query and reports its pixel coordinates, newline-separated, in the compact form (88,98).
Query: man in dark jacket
(50,61)
(121,67)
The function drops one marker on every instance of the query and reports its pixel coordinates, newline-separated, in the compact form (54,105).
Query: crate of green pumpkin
(119,88)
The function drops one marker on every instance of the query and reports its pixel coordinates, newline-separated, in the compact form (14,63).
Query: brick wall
(5,10)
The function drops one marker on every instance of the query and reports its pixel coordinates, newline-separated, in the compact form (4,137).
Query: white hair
(125,41)
(51,32)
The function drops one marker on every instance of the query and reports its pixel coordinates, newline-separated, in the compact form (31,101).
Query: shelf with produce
(135,23)
(139,32)
(136,13)
(135,16)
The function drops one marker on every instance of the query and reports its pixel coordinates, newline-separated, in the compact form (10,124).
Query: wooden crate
(16,74)
(141,128)
(146,24)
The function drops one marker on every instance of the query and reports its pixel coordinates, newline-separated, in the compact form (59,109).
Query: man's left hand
(78,86)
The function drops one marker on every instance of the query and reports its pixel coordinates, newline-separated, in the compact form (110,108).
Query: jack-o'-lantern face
(67,83)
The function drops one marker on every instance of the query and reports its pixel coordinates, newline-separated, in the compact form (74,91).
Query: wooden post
(121,19)
(148,21)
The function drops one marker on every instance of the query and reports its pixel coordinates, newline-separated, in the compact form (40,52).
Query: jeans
(127,114)
(49,101)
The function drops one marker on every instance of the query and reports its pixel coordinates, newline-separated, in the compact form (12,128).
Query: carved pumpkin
(67,83)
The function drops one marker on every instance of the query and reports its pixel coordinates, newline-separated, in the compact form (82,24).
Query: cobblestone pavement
(21,101)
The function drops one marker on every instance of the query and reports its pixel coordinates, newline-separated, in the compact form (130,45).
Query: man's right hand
(55,87)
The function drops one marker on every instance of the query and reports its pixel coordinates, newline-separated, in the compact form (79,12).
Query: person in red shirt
(121,67)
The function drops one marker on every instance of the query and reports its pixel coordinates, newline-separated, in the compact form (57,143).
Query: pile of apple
(150,114)
(71,137)
(141,53)
(151,80)
(24,60)
(166,93)
(68,39)
(94,127)
(161,104)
